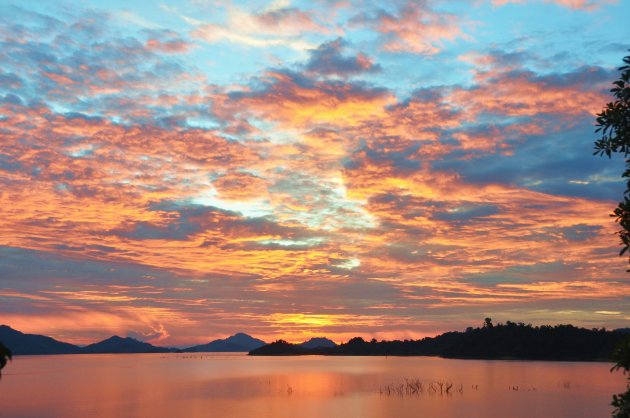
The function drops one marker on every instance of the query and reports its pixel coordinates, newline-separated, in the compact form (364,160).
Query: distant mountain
(318,342)
(31,344)
(236,343)
(25,344)
(118,344)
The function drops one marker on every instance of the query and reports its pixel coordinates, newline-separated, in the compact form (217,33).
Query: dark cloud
(379,154)
(583,77)
(287,16)
(328,59)
(580,232)
(31,269)
(10,80)
(180,230)
(7,163)
(286,84)
(467,212)
(538,272)
(550,162)
(191,219)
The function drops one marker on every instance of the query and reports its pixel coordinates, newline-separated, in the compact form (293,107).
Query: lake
(236,385)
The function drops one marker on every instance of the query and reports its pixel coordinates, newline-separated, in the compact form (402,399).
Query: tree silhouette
(5,355)
(614,125)
(621,401)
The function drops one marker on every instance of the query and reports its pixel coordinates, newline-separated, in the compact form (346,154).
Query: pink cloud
(416,28)
(176,46)
(572,4)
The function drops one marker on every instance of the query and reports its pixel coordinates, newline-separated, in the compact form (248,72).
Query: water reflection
(231,386)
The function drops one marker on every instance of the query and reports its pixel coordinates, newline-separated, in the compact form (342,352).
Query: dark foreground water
(235,385)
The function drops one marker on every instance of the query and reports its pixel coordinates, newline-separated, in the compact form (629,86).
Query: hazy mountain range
(501,341)
(32,344)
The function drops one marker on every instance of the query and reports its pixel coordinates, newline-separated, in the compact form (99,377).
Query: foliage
(5,355)
(621,401)
(614,125)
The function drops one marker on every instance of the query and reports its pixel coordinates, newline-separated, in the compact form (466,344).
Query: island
(507,341)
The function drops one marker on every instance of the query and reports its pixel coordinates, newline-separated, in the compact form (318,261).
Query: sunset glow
(182,171)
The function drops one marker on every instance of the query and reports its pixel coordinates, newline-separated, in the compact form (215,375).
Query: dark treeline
(502,341)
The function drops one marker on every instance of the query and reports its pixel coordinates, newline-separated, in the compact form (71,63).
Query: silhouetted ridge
(503,341)
(118,344)
(30,344)
(280,348)
(20,343)
(239,342)
(318,342)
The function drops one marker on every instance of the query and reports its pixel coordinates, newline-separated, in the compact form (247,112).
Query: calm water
(235,385)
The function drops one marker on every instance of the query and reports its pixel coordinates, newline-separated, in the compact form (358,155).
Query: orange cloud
(521,94)
(297,105)
(240,186)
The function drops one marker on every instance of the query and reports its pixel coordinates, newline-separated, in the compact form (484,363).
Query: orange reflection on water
(235,385)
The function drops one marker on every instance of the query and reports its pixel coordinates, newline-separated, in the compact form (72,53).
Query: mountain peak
(317,342)
(7,329)
(118,338)
(239,342)
(117,344)
(241,337)
(21,343)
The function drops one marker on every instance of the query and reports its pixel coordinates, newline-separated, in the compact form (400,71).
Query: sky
(179,171)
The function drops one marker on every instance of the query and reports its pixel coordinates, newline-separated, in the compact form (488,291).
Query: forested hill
(502,341)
